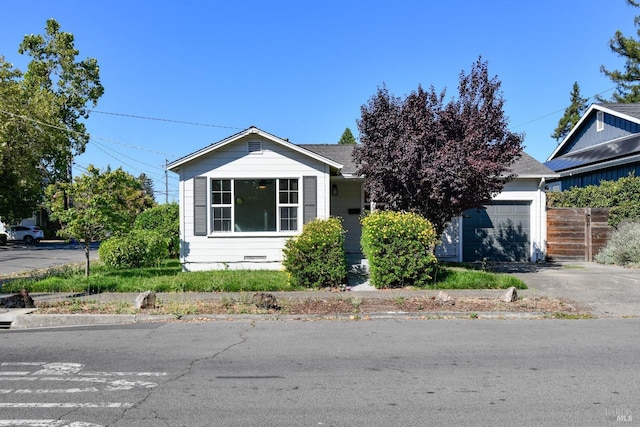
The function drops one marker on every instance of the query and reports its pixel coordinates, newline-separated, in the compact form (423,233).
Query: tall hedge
(317,258)
(399,248)
(621,196)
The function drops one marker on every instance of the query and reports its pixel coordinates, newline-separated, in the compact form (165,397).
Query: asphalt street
(340,373)
(18,257)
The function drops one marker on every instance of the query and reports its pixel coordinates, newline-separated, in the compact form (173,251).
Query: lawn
(170,278)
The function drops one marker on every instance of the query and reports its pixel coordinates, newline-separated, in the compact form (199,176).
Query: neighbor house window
(254,205)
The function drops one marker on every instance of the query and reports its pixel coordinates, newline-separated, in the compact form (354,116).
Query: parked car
(27,234)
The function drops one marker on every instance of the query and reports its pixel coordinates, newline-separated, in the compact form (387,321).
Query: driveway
(610,291)
(18,257)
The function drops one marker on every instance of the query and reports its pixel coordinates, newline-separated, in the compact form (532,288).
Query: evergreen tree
(627,81)
(347,138)
(572,114)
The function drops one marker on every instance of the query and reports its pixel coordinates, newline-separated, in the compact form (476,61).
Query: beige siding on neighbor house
(233,161)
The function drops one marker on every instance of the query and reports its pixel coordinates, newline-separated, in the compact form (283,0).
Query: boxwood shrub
(140,248)
(399,247)
(317,258)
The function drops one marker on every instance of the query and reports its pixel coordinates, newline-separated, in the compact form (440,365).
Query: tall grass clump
(317,258)
(623,246)
(399,247)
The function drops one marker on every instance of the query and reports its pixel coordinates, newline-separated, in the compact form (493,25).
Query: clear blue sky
(302,69)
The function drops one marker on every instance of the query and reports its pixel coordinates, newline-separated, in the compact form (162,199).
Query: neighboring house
(603,145)
(243,197)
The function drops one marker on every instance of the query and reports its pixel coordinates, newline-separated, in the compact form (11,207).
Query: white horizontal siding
(233,161)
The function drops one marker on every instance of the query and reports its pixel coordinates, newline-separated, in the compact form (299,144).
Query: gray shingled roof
(632,110)
(339,153)
(525,166)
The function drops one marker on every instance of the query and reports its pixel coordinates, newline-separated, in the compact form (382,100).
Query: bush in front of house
(3,239)
(163,219)
(399,247)
(140,248)
(623,246)
(317,258)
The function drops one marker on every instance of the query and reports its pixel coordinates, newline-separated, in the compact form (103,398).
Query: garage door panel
(500,232)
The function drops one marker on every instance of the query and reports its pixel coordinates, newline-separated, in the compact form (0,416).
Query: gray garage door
(499,232)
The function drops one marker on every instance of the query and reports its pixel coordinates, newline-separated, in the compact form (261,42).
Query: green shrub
(399,247)
(623,246)
(316,258)
(3,239)
(165,220)
(136,249)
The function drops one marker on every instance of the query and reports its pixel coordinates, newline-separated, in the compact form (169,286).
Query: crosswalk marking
(66,405)
(45,423)
(61,373)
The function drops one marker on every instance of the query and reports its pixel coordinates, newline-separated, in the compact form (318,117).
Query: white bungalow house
(241,198)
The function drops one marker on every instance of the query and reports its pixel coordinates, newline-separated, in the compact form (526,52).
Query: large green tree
(628,80)
(420,154)
(572,114)
(101,205)
(41,113)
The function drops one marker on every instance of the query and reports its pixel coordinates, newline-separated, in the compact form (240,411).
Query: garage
(499,231)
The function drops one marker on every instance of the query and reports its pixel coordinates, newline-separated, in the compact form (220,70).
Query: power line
(561,110)
(159,119)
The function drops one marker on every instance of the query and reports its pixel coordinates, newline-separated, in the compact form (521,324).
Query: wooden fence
(576,233)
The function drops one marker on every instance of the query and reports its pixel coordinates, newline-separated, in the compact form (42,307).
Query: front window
(254,205)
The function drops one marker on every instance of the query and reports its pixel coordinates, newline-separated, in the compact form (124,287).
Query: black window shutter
(200,206)
(310,198)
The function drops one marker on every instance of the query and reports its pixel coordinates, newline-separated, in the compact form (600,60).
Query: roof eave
(175,165)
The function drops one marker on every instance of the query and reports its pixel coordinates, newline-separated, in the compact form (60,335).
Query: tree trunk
(87,252)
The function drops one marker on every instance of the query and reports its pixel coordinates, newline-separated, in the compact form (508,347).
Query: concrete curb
(39,321)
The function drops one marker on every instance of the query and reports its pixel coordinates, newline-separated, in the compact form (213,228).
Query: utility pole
(166,181)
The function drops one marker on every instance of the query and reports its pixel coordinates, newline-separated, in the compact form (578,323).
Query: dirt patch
(350,305)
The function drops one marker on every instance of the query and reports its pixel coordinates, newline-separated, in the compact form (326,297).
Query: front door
(346,202)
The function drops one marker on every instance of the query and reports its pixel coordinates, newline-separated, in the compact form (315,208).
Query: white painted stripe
(66,405)
(112,383)
(23,363)
(2,374)
(123,374)
(33,423)
(45,423)
(59,390)
(60,369)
